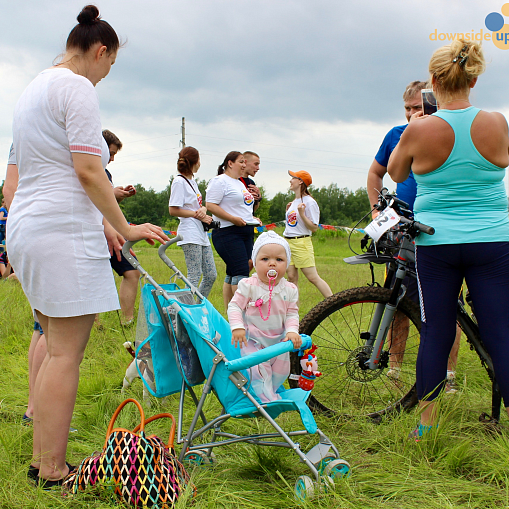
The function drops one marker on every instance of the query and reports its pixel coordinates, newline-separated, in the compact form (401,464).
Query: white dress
(55,238)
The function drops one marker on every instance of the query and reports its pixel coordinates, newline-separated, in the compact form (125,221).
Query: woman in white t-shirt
(302,219)
(62,195)
(232,205)
(186,204)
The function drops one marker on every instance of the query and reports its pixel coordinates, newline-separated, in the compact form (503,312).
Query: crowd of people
(59,198)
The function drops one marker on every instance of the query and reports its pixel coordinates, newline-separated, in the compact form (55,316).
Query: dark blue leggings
(440,273)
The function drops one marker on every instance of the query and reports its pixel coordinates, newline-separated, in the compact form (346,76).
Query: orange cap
(302,175)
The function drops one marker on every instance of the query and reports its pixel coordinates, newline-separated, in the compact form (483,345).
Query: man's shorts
(303,254)
(120,266)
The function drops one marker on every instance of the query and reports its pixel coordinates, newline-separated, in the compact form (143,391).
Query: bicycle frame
(374,357)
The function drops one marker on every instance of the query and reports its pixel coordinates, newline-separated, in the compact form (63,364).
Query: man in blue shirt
(407,192)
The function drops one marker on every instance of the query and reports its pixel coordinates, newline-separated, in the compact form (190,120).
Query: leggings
(440,273)
(200,260)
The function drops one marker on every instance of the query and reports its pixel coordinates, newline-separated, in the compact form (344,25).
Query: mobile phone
(429,102)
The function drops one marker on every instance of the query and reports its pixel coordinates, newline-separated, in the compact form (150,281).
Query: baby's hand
(239,336)
(294,338)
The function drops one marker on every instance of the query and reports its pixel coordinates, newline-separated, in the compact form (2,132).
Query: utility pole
(183,131)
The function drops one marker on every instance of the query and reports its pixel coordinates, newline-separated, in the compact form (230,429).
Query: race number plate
(387,219)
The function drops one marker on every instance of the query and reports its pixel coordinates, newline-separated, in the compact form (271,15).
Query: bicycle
(361,343)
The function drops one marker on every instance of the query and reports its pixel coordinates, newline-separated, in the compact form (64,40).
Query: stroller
(187,343)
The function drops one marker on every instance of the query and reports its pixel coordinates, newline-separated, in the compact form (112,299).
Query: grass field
(462,465)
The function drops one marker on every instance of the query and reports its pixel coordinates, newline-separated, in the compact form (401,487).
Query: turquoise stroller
(188,343)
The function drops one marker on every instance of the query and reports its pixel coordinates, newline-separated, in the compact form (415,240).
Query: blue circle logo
(494,21)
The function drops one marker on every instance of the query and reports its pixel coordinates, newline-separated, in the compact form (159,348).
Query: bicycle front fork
(382,320)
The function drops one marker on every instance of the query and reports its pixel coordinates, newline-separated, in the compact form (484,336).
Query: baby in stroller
(264,312)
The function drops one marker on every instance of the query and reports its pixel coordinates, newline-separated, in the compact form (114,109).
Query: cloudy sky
(308,84)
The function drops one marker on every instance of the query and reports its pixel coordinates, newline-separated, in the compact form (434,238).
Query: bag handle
(140,426)
(162,416)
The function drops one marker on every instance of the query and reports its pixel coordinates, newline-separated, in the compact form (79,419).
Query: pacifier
(271,275)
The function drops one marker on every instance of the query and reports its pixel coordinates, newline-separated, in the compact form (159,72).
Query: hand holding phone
(429,102)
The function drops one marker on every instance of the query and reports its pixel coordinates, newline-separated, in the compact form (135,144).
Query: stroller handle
(162,251)
(267,353)
(126,251)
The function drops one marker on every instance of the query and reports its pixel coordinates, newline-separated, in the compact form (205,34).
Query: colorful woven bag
(141,470)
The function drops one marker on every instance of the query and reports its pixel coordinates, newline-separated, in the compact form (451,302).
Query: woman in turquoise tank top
(458,156)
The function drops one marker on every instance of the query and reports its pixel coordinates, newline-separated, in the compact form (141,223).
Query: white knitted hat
(271,238)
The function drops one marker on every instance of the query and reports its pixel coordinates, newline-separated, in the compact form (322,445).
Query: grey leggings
(200,260)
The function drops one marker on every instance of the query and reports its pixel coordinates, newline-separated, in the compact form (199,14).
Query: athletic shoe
(419,431)
(450,386)
(26,421)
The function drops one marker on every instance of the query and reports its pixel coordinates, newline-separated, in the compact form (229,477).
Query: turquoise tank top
(464,199)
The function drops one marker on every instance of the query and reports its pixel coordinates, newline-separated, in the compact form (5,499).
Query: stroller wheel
(337,469)
(304,488)
(320,466)
(199,457)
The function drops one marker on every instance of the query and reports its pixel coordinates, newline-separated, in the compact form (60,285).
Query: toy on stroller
(188,343)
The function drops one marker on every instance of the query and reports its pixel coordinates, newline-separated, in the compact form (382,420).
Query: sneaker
(26,421)
(419,431)
(394,373)
(450,385)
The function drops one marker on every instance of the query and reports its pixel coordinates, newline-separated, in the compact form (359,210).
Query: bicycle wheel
(336,326)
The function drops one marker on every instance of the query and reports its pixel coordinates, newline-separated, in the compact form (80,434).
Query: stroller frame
(323,460)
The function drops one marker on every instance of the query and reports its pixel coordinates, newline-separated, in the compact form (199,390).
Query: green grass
(461,466)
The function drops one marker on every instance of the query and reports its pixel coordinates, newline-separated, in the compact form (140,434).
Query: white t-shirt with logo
(233,197)
(294,224)
(188,197)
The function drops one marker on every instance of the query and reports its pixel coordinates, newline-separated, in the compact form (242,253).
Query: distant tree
(147,206)
(277,208)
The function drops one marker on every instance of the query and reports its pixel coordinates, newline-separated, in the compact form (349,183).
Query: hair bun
(88,15)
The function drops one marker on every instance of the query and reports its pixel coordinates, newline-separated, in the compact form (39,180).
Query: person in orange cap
(302,218)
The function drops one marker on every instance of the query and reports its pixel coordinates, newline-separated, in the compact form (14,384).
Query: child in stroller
(267,293)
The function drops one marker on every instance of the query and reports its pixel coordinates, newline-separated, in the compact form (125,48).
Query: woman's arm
(222,214)
(10,184)
(93,178)
(307,222)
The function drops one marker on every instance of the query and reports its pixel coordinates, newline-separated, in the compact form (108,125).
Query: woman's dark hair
(90,30)
(188,158)
(231,156)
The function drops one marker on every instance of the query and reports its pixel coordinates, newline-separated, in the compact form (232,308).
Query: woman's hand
(238,221)
(146,231)
(294,338)
(207,219)
(200,213)
(417,114)
(114,239)
(239,336)
(301,207)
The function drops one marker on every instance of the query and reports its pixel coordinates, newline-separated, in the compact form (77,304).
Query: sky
(311,85)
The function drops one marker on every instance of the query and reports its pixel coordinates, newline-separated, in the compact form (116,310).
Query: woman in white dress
(62,195)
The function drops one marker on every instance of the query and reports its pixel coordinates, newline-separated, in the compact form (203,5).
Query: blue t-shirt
(407,190)
(4,210)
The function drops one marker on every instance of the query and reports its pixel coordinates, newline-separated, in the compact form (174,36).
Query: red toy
(309,369)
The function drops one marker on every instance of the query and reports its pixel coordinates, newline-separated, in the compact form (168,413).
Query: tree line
(338,206)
